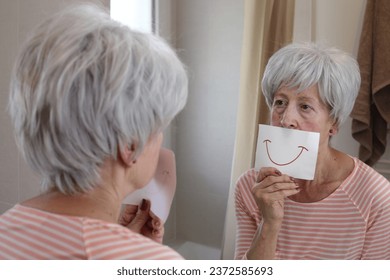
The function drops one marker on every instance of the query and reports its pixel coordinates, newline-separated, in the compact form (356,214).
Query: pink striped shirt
(352,223)
(28,233)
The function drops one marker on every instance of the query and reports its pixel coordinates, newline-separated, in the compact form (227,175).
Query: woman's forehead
(308,92)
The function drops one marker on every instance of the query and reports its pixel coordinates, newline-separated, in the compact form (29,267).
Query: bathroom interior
(207,35)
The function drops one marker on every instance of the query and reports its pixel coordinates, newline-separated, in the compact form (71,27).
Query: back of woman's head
(83,86)
(302,65)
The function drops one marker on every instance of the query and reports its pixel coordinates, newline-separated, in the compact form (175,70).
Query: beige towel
(371,112)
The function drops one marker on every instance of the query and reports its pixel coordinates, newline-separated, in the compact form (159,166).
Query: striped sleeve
(114,242)
(246,215)
(377,239)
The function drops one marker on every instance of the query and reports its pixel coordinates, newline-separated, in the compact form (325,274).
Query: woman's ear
(126,155)
(334,129)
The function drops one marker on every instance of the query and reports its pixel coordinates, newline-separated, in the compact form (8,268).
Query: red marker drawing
(283,164)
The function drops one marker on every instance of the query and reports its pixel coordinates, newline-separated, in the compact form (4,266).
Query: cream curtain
(268,25)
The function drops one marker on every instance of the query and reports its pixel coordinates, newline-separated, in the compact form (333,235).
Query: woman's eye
(279,103)
(305,107)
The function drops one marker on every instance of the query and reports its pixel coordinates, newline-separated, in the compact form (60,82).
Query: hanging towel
(371,112)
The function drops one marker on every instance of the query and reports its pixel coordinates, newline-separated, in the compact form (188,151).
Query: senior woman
(344,212)
(89,101)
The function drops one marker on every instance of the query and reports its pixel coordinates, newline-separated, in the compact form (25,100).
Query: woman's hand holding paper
(270,191)
(142,220)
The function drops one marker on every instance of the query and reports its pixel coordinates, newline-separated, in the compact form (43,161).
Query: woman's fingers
(141,218)
(128,213)
(267,171)
(155,223)
(270,190)
(277,195)
(274,193)
(275,183)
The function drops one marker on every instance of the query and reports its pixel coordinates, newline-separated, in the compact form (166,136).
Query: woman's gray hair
(83,86)
(303,65)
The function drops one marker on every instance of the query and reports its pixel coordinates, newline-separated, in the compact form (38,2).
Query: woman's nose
(289,118)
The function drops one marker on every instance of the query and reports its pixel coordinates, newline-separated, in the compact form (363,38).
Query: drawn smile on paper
(283,164)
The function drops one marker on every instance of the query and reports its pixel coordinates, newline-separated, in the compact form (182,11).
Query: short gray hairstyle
(302,65)
(83,86)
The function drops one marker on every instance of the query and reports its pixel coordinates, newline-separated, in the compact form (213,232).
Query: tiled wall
(17,17)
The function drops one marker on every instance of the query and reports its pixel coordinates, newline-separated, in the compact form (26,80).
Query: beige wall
(17,17)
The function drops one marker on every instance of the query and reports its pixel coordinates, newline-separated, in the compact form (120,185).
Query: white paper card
(292,152)
(161,189)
